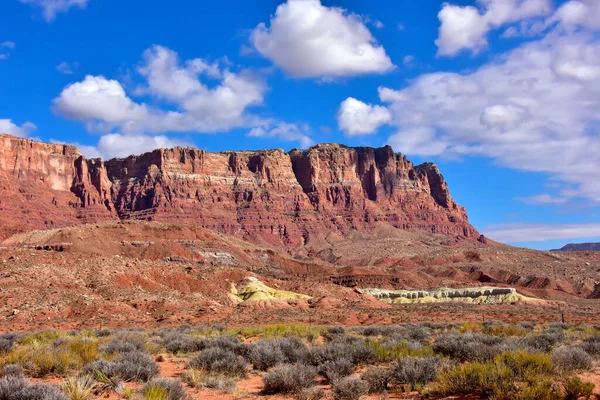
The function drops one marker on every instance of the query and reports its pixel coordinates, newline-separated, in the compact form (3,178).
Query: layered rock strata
(269,196)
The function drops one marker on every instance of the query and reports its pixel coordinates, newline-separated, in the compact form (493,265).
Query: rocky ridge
(268,196)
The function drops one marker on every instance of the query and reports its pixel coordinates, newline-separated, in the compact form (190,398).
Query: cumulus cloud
(307,40)
(579,13)
(358,118)
(198,96)
(466,28)
(535,108)
(50,8)
(116,145)
(518,233)
(104,104)
(9,127)
(101,102)
(284,131)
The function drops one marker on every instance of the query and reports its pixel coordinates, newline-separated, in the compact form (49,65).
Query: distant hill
(580,247)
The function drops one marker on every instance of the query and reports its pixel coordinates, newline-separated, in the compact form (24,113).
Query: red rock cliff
(268,195)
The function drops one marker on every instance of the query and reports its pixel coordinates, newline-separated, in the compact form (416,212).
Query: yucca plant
(79,387)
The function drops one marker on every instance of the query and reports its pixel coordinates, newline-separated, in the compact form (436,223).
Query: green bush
(576,388)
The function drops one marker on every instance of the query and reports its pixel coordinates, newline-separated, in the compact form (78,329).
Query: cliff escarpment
(269,196)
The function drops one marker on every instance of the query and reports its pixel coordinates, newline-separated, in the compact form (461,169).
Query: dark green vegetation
(489,360)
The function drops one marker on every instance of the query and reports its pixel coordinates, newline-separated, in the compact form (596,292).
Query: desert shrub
(155,393)
(194,379)
(374,331)
(414,371)
(42,337)
(311,393)
(333,331)
(526,325)
(220,382)
(123,343)
(103,332)
(177,343)
(377,379)
(468,347)
(307,332)
(107,383)
(289,379)
(472,256)
(557,326)
(417,332)
(230,343)
(538,390)
(167,389)
(544,341)
(265,354)
(526,366)
(334,370)
(510,375)
(79,387)
(127,393)
(268,353)
(85,349)
(571,358)
(135,366)
(352,348)
(17,388)
(395,348)
(12,370)
(219,360)
(103,367)
(576,388)
(5,345)
(485,378)
(591,345)
(350,388)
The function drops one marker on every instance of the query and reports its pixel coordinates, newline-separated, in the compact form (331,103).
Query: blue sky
(503,94)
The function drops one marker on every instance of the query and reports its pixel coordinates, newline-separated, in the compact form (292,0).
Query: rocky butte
(269,196)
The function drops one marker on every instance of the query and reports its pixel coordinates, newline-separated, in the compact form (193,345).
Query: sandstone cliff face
(270,196)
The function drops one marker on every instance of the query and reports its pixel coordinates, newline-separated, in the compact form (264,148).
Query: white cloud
(504,116)
(579,13)
(408,60)
(117,145)
(308,40)
(518,233)
(9,127)
(101,102)
(535,108)
(358,118)
(284,131)
(66,68)
(8,45)
(104,104)
(192,105)
(52,7)
(544,198)
(466,28)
